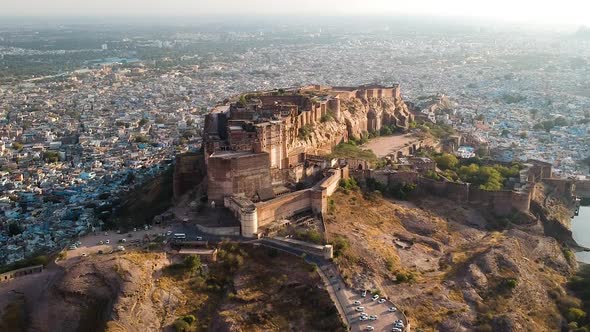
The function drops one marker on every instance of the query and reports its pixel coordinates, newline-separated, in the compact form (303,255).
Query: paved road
(344,297)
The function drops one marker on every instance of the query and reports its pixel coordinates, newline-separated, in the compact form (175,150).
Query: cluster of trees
(573,312)
(394,190)
(310,235)
(439,130)
(547,125)
(51,156)
(141,139)
(513,99)
(386,130)
(486,177)
(352,150)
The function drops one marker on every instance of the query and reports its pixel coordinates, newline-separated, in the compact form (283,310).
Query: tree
(17,146)
(192,263)
(524,135)
(505,132)
(14,229)
(548,125)
(51,156)
(560,121)
(447,161)
(534,112)
(143,122)
(141,139)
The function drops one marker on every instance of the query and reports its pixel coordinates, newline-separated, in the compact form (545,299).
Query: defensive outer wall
(252,216)
(502,202)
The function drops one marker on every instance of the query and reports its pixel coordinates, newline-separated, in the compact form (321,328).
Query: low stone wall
(7,276)
(220,231)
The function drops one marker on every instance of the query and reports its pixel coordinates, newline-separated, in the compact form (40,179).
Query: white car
(84,254)
(168,233)
(375,297)
(392,309)
(357,302)
(381,300)
(100,242)
(399,325)
(369,328)
(360,309)
(134,229)
(363,318)
(396,329)
(107,241)
(364,293)
(373,317)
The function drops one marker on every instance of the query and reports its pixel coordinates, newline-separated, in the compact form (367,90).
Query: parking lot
(90,243)
(385,318)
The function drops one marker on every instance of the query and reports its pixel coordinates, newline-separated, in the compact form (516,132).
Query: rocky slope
(452,267)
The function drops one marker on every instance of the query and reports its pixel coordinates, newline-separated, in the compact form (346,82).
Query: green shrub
(575,315)
(190,319)
(340,245)
(181,326)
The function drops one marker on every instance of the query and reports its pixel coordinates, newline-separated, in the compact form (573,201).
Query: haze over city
(537,11)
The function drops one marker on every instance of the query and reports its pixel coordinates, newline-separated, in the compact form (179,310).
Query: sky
(535,11)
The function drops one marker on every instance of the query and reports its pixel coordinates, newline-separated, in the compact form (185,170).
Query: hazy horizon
(541,12)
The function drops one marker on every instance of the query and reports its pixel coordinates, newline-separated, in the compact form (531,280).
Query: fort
(265,152)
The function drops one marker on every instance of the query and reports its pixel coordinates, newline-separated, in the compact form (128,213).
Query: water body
(581,233)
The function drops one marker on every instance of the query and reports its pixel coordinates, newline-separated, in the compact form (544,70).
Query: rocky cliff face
(355,119)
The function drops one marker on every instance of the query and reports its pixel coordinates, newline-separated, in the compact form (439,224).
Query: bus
(179,236)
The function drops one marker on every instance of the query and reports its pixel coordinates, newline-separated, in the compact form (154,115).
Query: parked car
(392,309)
(100,242)
(364,293)
(381,300)
(108,241)
(396,329)
(120,248)
(375,297)
(369,328)
(363,318)
(360,309)
(84,254)
(357,302)
(373,317)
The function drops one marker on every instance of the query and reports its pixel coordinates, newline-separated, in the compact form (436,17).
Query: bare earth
(386,145)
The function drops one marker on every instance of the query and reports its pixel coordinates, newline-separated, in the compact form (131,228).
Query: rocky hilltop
(250,289)
(453,267)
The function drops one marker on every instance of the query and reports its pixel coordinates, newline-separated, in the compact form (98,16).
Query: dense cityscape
(70,137)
